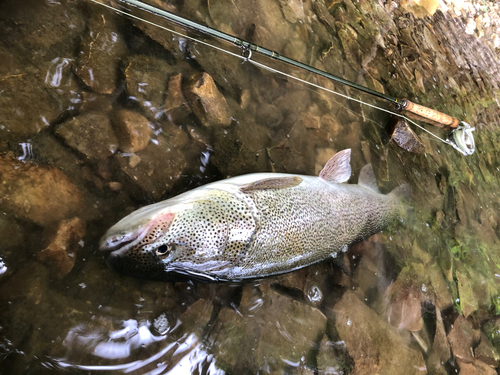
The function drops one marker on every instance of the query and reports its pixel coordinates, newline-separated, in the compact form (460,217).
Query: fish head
(168,241)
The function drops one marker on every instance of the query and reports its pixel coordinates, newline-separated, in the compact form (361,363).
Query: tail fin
(402,192)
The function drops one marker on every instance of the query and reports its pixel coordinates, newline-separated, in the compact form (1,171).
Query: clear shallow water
(413,283)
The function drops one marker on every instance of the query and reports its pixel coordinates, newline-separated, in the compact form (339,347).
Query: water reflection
(443,263)
(184,356)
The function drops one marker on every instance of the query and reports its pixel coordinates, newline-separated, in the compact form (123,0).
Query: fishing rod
(462,138)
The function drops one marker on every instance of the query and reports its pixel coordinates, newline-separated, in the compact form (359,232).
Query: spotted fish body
(251,226)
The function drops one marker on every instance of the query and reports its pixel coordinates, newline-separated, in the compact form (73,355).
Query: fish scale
(304,224)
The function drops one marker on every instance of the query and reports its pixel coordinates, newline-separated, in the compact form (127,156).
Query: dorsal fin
(367,178)
(338,168)
(272,183)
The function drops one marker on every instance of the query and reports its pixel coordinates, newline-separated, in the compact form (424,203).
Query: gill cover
(195,239)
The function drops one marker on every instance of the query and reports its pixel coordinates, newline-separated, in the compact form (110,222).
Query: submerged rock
(60,255)
(38,193)
(403,305)
(467,287)
(25,29)
(132,130)
(475,368)
(241,148)
(159,166)
(329,360)
(146,79)
(20,115)
(440,352)
(197,316)
(463,337)
(90,134)
(375,346)
(486,353)
(29,283)
(12,234)
(208,104)
(252,340)
(176,105)
(406,138)
(101,51)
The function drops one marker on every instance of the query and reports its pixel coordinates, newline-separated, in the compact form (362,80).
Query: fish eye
(165,250)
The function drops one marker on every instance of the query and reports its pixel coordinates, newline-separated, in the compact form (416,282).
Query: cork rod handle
(430,114)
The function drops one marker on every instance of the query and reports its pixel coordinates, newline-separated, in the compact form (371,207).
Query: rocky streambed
(101,114)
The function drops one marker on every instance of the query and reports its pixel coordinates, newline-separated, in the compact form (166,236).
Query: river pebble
(60,255)
(100,54)
(132,130)
(91,134)
(208,104)
(38,193)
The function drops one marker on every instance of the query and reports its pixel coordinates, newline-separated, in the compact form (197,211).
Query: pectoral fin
(338,168)
(338,260)
(272,183)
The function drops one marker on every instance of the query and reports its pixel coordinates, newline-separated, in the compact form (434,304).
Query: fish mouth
(122,241)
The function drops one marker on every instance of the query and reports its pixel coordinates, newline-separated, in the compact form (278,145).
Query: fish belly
(304,225)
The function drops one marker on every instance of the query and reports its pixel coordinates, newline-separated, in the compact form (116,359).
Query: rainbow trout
(252,226)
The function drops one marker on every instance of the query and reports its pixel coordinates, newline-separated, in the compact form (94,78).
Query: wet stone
(440,287)
(20,115)
(100,54)
(132,130)
(366,275)
(29,283)
(329,361)
(167,40)
(268,331)
(440,352)
(463,337)
(90,134)
(231,342)
(468,300)
(268,115)
(226,71)
(240,149)
(286,160)
(475,368)
(197,316)
(310,281)
(406,138)
(37,193)
(176,106)
(161,165)
(293,102)
(374,346)
(293,331)
(486,353)
(92,102)
(60,255)
(208,104)
(24,29)
(12,234)
(146,78)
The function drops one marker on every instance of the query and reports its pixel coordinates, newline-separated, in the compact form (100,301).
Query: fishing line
(263,66)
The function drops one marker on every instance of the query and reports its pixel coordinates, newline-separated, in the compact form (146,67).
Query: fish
(253,226)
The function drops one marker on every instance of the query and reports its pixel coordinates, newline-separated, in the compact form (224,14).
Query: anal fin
(338,260)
